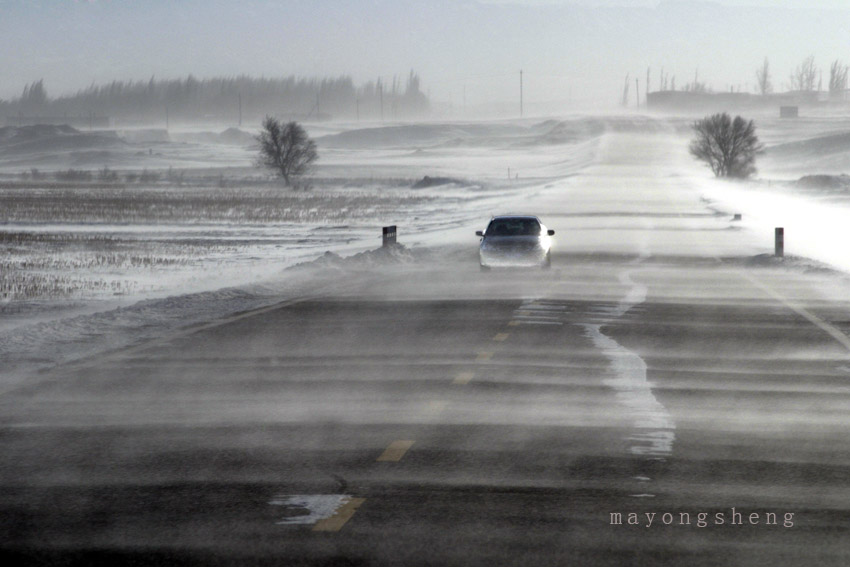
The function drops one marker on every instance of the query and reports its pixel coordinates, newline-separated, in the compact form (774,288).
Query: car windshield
(513,227)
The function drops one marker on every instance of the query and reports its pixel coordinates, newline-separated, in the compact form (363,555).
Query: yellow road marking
(829,329)
(395,451)
(501,337)
(463,378)
(335,522)
(513,323)
(483,356)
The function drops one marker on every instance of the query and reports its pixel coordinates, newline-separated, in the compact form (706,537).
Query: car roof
(515,217)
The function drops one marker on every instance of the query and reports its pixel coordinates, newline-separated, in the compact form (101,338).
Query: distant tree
(728,146)
(803,77)
(286,149)
(34,97)
(696,86)
(837,79)
(763,81)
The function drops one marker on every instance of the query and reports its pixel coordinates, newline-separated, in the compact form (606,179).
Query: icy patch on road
(655,428)
(309,508)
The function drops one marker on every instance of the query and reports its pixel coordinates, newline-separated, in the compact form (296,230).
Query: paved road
(429,414)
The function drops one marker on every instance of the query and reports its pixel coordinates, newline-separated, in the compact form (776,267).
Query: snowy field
(112,238)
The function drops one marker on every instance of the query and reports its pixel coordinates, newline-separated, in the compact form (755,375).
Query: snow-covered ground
(94,266)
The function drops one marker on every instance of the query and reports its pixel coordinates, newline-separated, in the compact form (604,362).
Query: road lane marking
(395,451)
(828,328)
(194,329)
(483,356)
(501,337)
(343,514)
(513,323)
(463,378)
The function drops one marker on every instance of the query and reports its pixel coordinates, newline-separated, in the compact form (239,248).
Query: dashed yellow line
(335,522)
(501,337)
(513,323)
(483,356)
(463,378)
(395,451)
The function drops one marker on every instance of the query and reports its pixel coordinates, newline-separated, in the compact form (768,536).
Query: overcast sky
(580,49)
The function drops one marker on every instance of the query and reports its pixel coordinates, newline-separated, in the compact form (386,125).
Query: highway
(661,396)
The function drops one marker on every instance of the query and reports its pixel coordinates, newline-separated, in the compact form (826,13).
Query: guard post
(779,242)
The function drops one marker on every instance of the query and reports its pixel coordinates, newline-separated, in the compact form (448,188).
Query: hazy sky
(580,49)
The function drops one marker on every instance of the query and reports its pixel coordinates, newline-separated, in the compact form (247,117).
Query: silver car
(515,240)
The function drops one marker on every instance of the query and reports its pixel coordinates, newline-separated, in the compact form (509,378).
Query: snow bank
(815,226)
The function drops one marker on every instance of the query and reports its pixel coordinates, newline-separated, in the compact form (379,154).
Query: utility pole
(520,93)
(357,102)
(240,110)
(381,91)
(637,92)
(166,117)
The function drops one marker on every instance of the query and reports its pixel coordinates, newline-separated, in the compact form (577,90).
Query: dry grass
(193,205)
(71,256)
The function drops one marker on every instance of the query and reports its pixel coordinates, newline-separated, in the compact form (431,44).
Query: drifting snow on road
(654,427)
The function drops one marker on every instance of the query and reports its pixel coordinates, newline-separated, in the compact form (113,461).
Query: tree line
(806,77)
(228,99)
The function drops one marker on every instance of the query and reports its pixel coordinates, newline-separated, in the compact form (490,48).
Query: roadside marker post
(389,235)
(779,242)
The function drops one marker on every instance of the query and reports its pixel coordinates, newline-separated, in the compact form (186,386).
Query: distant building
(689,101)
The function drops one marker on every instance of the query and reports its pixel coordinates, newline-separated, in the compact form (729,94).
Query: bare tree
(837,79)
(804,76)
(663,80)
(696,86)
(763,81)
(286,149)
(728,146)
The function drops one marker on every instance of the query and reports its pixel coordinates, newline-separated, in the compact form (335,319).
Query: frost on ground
(91,243)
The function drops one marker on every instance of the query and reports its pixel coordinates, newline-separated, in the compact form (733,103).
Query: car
(515,241)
